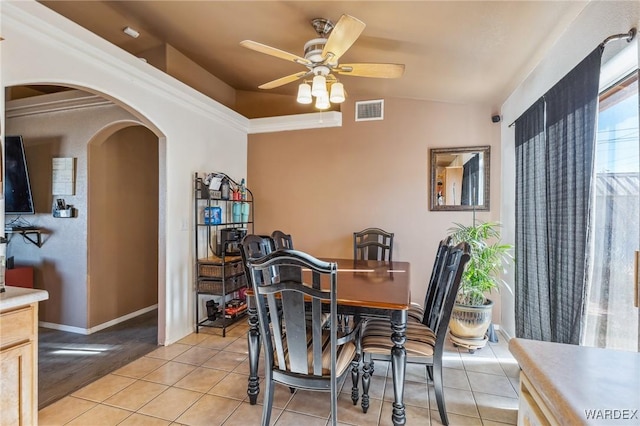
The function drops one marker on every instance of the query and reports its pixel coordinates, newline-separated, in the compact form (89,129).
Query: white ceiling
(454,51)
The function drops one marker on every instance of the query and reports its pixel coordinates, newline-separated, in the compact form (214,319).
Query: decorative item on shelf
(244,212)
(212,310)
(62,210)
(210,186)
(235,307)
(471,316)
(237,212)
(224,189)
(243,190)
(212,215)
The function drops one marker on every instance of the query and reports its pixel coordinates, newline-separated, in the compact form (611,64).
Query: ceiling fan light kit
(337,93)
(321,56)
(319,85)
(322,101)
(304,94)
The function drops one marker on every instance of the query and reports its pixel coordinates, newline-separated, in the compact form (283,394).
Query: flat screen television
(18,198)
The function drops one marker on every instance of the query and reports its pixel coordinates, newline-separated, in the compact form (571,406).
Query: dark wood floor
(69,361)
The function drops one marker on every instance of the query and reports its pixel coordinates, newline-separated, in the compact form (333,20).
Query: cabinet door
(17,385)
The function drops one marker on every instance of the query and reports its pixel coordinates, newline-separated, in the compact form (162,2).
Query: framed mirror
(460,178)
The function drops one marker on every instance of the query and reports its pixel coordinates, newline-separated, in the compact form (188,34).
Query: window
(612,321)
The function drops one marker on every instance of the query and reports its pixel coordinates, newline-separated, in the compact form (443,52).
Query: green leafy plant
(489,257)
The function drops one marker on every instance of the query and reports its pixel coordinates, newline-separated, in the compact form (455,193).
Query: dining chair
(416,311)
(424,342)
(298,354)
(373,244)
(422,313)
(282,240)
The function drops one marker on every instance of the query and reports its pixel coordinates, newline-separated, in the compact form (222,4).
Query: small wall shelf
(33,235)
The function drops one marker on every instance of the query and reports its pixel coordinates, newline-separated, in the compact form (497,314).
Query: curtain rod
(629,36)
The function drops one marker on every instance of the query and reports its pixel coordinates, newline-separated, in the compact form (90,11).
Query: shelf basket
(215,287)
(212,267)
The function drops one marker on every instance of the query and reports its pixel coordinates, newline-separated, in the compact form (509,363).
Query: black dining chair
(282,240)
(422,313)
(299,354)
(424,342)
(416,311)
(373,244)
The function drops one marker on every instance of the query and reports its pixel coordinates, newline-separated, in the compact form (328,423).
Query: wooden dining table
(365,287)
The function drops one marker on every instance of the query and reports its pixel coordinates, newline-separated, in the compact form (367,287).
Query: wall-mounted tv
(18,198)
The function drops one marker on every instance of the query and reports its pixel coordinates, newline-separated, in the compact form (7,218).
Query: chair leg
(355,378)
(366,381)
(268,399)
(438,386)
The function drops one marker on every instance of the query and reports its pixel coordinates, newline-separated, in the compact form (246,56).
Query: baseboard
(505,334)
(102,326)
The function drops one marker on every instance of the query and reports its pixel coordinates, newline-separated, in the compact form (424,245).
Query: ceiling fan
(321,56)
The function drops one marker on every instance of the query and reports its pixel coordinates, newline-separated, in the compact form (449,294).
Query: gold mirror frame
(447,194)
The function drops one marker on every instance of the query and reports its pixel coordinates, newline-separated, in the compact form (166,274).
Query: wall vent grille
(370,110)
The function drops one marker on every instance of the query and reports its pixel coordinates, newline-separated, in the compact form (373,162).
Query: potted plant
(471,314)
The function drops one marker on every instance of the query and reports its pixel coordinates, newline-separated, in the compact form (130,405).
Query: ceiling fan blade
(272,51)
(343,35)
(283,80)
(371,70)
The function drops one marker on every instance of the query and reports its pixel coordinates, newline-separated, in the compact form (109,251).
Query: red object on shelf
(20,276)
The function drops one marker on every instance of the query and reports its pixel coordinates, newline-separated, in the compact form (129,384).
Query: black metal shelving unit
(218,267)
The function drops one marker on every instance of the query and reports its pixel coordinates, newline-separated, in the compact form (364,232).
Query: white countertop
(575,379)
(19,296)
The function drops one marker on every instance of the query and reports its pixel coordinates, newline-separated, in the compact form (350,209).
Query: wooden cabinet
(19,355)
(18,387)
(220,225)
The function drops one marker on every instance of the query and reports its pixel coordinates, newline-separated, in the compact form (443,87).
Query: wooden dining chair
(424,342)
(373,244)
(298,354)
(282,240)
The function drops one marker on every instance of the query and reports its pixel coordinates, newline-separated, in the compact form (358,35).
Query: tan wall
(123,224)
(322,185)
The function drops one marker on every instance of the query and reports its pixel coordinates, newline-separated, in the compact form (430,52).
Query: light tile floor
(202,380)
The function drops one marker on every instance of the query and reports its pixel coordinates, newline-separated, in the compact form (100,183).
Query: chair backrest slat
(296,331)
(448,285)
(373,244)
(432,299)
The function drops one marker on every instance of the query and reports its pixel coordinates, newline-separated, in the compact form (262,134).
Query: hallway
(68,361)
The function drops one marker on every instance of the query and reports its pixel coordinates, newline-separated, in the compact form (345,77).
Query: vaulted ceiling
(454,51)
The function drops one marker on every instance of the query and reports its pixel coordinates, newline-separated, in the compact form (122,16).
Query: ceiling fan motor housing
(313,50)
(322,26)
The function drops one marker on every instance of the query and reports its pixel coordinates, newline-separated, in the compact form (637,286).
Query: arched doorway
(100,267)
(61,121)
